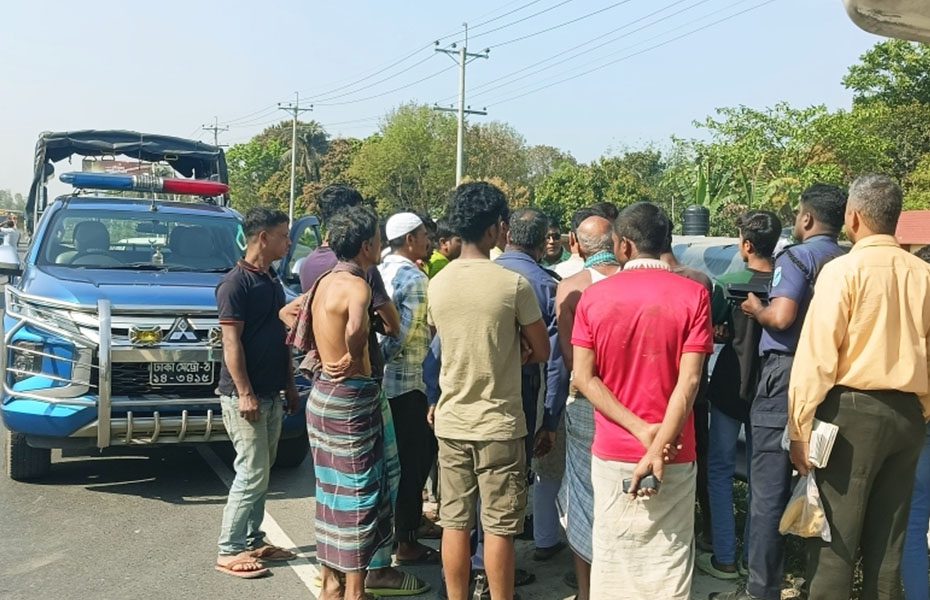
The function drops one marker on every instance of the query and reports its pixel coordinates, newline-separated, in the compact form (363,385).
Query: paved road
(143,524)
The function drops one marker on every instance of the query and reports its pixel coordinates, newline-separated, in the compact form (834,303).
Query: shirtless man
(351,433)
(595,246)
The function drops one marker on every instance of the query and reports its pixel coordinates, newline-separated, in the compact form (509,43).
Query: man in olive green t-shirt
(490,324)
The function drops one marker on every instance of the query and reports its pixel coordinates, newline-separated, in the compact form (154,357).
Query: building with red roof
(913,230)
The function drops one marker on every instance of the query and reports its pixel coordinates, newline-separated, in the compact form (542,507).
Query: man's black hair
(923,254)
(443,230)
(260,219)
(528,229)
(553,224)
(334,198)
(349,229)
(827,203)
(475,207)
(646,225)
(608,210)
(762,228)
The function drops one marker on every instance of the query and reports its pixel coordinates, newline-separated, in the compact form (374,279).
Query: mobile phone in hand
(649,482)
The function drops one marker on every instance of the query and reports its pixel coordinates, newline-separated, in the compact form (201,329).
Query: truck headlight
(24,360)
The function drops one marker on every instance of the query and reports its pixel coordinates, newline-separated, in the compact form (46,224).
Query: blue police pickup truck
(110,334)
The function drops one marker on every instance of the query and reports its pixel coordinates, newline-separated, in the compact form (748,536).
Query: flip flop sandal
(427,557)
(411,586)
(272,553)
(230,568)
(429,530)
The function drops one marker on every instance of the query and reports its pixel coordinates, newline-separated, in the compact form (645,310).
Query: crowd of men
(481,344)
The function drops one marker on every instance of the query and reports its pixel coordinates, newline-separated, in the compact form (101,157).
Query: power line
(321,99)
(326,95)
(510,79)
(560,25)
(391,91)
(258,114)
(653,47)
(520,20)
(509,76)
(506,14)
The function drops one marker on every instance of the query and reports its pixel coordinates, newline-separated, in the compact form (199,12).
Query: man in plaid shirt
(403,379)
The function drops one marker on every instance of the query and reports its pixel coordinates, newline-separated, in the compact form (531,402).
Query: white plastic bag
(804,515)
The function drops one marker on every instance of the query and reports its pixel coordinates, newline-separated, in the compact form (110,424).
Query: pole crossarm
(462,57)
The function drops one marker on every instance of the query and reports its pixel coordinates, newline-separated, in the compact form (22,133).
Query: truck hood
(126,290)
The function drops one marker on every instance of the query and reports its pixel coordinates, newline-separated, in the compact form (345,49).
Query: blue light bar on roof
(104,181)
(144,183)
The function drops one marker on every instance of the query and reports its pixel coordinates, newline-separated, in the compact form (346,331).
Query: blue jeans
(256,444)
(914,562)
(546,528)
(721,466)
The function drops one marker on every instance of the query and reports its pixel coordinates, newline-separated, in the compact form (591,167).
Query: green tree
(542,160)
(495,149)
(893,72)
(917,186)
(252,166)
(410,162)
(568,188)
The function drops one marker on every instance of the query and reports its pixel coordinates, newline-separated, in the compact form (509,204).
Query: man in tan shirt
(490,323)
(862,364)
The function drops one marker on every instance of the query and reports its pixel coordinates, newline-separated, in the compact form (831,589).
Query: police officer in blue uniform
(818,224)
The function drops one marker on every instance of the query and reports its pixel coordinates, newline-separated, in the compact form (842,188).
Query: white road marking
(303,566)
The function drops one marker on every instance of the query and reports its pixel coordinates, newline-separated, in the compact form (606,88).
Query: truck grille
(132,379)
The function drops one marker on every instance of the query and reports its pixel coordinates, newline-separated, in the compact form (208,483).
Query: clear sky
(170,66)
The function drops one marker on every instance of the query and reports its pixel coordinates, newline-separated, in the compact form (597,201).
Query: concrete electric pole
(216,129)
(295,110)
(462,56)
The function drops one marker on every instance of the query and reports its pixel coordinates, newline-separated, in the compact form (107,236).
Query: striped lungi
(357,472)
(576,496)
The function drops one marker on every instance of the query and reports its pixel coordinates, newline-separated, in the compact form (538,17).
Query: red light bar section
(194,187)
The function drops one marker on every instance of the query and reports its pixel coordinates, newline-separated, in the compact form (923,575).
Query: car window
(135,240)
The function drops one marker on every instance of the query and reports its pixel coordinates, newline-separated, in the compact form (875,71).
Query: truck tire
(292,451)
(23,462)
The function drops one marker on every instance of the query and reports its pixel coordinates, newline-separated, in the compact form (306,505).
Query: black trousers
(769,479)
(866,491)
(416,450)
(702,446)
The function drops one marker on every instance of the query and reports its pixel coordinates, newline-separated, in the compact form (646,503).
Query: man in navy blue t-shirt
(818,224)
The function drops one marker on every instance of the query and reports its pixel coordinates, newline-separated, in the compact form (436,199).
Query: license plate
(181,373)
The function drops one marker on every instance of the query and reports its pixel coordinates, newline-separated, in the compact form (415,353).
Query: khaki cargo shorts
(495,470)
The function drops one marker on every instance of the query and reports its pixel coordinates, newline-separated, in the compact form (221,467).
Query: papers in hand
(823,435)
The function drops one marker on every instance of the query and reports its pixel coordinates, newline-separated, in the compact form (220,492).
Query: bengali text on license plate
(181,373)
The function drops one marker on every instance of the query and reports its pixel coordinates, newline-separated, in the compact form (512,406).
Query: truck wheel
(292,452)
(23,462)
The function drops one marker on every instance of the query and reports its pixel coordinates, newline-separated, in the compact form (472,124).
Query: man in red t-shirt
(640,340)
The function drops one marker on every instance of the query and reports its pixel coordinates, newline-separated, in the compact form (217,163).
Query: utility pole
(216,129)
(295,110)
(464,57)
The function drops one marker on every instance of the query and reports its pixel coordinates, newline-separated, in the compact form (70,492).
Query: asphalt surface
(142,523)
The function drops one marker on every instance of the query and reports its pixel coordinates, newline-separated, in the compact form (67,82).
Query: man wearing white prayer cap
(403,384)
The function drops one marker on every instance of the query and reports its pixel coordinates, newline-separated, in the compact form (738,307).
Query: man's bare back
(340,324)
(566,301)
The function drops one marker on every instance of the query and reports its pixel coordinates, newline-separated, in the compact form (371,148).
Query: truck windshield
(142,241)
